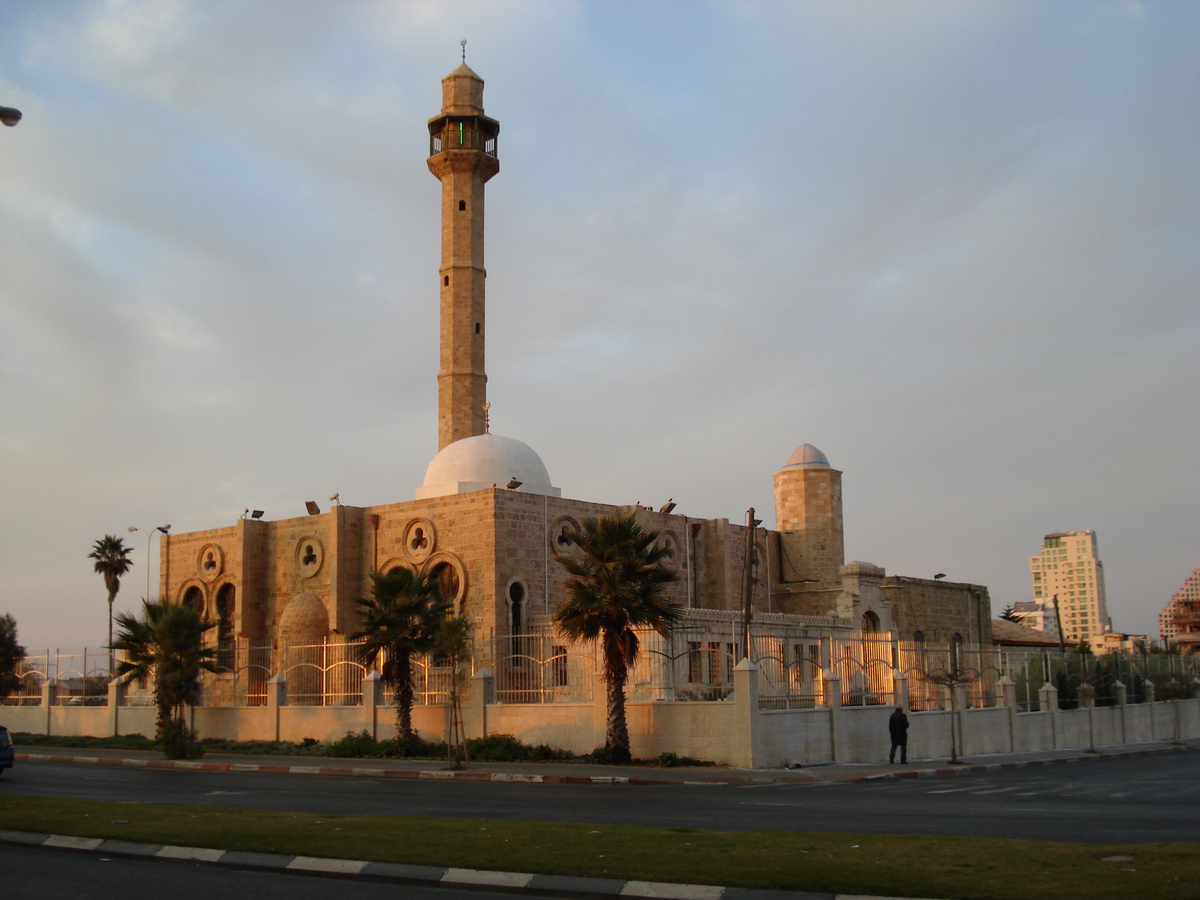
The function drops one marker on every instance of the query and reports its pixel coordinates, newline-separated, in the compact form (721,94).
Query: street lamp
(149,534)
(9,116)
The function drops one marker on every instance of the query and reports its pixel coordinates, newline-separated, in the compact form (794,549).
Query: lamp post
(9,116)
(165,529)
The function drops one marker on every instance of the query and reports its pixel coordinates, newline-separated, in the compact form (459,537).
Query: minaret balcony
(463,133)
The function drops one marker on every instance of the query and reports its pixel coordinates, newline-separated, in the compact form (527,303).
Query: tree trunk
(404,697)
(112,595)
(617,737)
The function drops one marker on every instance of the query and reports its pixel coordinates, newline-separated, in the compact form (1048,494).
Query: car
(6,749)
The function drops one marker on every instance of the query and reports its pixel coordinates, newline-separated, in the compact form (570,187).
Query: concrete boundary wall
(734,731)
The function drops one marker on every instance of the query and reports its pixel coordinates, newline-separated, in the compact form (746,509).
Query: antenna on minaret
(464,46)
(487,419)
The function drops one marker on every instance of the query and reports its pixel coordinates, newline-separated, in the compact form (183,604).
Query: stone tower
(462,154)
(808,516)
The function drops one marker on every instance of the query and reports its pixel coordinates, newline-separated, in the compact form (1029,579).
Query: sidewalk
(586,773)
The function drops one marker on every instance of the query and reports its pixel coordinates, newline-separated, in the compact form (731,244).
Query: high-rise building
(1179,622)
(1069,569)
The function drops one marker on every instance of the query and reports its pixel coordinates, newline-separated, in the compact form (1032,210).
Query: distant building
(1179,622)
(1012,634)
(1036,614)
(1118,642)
(1069,570)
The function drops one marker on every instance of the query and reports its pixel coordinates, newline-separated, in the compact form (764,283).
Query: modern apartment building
(1069,569)
(1179,622)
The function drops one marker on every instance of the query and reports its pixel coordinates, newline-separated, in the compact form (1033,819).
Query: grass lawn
(956,867)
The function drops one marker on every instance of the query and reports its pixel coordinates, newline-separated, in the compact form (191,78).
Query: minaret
(462,154)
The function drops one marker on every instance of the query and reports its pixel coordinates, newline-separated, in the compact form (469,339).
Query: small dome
(485,461)
(807,456)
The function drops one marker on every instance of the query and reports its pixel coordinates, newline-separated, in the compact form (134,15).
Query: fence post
(899,689)
(372,690)
(1008,698)
(1048,696)
(1121,702)
(747,753)
(1149,685)
(482,692)
(116,699)
(833,700)
(277,697)
(49,691)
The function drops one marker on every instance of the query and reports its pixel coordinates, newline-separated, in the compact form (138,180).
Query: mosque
(488,520)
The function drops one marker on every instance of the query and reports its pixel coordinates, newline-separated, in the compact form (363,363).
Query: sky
(956,246)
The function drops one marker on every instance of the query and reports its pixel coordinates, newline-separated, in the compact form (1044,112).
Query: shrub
(506,748)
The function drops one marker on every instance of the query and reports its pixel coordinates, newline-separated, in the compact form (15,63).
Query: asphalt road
(1134,799)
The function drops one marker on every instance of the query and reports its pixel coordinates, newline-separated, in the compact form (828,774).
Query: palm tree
(112,561)
(167,644)
(615,585)
(400,618)
(11,655)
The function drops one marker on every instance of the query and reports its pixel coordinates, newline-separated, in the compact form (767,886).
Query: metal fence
(696,663)
(80,677)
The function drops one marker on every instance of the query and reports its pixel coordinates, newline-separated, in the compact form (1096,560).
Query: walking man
(898,727)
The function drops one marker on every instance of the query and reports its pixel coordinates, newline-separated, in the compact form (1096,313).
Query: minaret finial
(487,419)
(464,46)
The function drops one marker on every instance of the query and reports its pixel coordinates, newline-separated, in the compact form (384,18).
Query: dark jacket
(898,726)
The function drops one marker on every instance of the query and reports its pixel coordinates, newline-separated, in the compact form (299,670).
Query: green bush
(120,742)
(506,748)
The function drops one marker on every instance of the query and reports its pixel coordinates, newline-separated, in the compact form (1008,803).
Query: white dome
(485,461)
(807,456)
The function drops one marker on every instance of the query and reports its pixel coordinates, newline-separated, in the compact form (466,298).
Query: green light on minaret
(460,133)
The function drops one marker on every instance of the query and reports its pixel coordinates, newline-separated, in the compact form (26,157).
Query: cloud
(953,245)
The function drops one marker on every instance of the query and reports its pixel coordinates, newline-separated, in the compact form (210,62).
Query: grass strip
(896,866)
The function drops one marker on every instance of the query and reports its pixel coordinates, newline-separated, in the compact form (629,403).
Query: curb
(424,876)
(523,778)
(352,772)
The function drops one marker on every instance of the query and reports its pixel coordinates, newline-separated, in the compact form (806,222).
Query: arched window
(194,598)
(918,637)
(870,623)
(516,609)
(447,581)
(516,600)
(956,652)
(226,598)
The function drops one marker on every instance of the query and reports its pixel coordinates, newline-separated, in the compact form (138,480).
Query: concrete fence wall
(732,731)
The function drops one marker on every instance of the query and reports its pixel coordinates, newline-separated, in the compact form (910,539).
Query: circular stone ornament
(310,554)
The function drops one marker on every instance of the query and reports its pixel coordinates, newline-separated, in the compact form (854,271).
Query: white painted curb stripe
(664,891)
(203,854)
(335,866)
(495,879)
(304,770)
(436,773)
(517,777)
(369,773)
(72,843)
